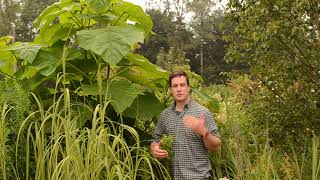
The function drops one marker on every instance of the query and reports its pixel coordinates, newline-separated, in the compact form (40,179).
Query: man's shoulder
(166,111)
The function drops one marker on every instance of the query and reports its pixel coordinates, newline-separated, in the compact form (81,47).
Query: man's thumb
(202,116)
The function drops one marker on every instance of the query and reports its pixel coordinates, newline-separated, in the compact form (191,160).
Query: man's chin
(180,99)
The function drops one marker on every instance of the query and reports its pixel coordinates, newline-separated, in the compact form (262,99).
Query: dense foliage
(16,17)
(93,100)
(280,40)
(84,54)
(15,105)
(91,43)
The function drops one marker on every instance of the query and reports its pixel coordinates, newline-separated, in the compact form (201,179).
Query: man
(193,129)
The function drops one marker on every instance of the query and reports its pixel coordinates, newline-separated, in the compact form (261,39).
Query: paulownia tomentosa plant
(88,46)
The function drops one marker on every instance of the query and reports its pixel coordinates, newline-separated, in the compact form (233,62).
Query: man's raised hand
(198,125)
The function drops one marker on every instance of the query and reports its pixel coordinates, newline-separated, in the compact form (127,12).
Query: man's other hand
(196,124)
(157,152)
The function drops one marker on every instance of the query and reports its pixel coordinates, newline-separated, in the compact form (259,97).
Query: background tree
(201,10)
(9,10)
(30,10)
(173,60)
(16,17)
(189,35)
(84,49)
(164,29)
(280,40)
(213,46)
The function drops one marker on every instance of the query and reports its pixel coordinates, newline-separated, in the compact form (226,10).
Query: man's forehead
(179,79)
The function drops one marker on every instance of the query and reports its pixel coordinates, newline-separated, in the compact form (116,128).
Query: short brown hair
(178,74)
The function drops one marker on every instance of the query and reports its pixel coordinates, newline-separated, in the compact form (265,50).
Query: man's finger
(161,156)
(161,153)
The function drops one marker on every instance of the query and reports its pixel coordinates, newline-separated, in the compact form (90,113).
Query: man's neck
(181,104)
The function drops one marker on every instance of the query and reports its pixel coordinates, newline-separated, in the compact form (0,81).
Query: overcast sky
(187,16)
(141,3)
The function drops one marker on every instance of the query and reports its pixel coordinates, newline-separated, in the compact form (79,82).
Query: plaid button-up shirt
(190,156)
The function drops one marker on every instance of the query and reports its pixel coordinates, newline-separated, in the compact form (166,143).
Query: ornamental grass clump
(61,150)
(166,144)
(3,140)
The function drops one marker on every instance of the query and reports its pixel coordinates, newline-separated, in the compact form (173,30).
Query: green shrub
(167,144)
(15,99)
(247,151)
(99,152)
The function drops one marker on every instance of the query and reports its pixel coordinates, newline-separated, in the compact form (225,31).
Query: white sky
(142,3)
(187,16)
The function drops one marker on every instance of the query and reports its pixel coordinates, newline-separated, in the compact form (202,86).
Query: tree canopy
(280,41)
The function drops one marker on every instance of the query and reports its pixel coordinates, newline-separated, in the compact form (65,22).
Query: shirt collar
(173,107)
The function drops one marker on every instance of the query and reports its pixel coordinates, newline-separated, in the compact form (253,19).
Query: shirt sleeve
(159,130)
(211,125)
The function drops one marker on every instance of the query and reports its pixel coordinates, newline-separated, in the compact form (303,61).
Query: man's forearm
(211,142)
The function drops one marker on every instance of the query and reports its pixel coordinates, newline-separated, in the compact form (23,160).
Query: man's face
(179,88)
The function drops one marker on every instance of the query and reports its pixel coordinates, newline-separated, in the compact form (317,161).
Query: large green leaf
(7,59)
(141,61)
(33,81)
(52,63)
(47,60)
(135,13)
(4,40)
(46,18)
(145,73)
(26,51)
(111,43)
(56,32)
(144,107)
(121,92)
(82,65)
(99,6)
(144,77)
(7,62)
(91,90)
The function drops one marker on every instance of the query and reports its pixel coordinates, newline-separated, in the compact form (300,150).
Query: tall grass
(315,158)
(249,161)
(14,105)
(3,139)
(63,151)
(243,156)
(56,148)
